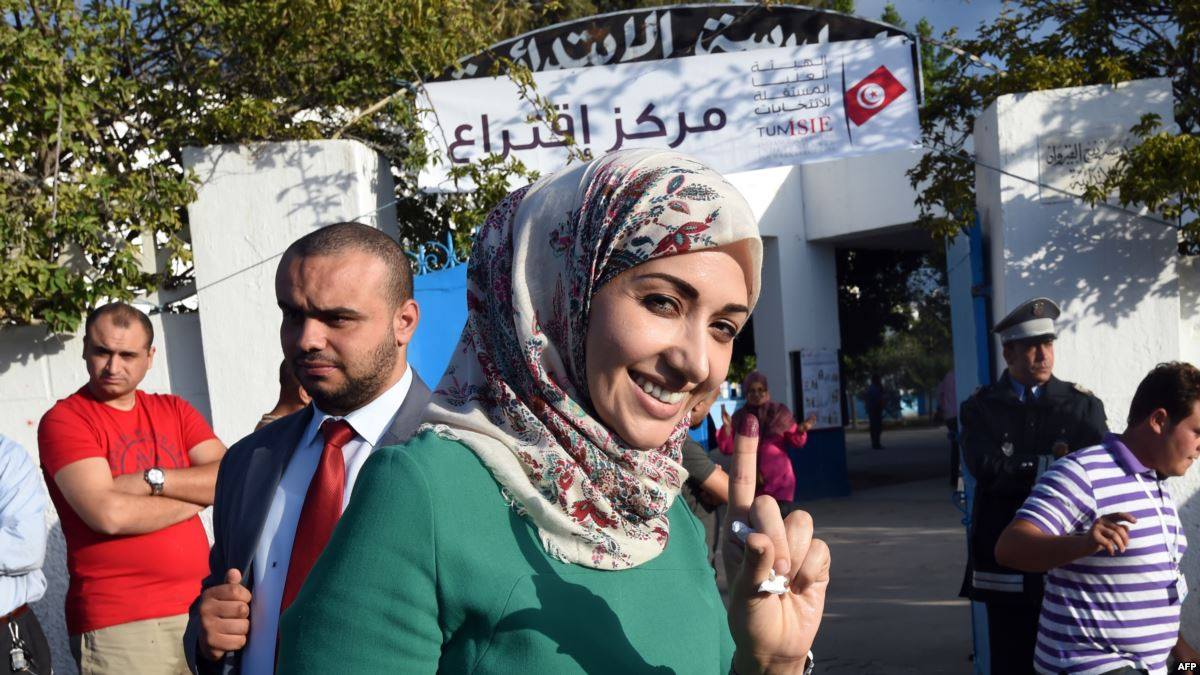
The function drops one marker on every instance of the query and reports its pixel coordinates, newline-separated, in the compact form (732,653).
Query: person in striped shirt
(1102,524)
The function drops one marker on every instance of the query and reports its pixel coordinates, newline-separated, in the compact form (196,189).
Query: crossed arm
(124,505)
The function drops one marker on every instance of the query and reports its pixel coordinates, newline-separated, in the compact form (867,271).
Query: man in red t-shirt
(128,472)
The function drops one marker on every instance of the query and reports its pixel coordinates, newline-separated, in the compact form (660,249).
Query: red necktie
(321,510)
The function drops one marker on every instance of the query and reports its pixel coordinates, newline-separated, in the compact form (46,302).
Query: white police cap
(1031,319)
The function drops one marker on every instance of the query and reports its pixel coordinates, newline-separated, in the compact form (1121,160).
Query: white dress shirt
(22,529)
(274,550)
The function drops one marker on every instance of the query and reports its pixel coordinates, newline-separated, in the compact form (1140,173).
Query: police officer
(1011,431)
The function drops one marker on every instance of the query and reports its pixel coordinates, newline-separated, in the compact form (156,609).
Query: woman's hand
(726,420)
(773,633)
(809,422)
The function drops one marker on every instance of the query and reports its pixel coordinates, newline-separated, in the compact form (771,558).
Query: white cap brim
(1028,329)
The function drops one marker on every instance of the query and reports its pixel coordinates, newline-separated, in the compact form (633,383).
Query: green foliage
(1047,44)
(1171,188)
(740,368)
(80,185)
(874,295)
(894,315)
(892,15)
(98,99)
(843,6)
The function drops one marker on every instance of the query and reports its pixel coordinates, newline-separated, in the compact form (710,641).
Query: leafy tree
(893,305)
(1046,44)
(98,98)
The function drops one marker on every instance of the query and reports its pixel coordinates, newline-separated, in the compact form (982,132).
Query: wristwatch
(155,477)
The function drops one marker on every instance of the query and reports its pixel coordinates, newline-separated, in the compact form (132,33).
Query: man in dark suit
(348,316)
(1012,431)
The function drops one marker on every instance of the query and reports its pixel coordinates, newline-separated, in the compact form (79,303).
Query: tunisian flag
(872,94)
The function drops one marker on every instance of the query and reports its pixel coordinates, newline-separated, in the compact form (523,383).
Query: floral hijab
(516,390)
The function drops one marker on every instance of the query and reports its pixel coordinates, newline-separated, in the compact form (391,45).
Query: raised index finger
(744,469)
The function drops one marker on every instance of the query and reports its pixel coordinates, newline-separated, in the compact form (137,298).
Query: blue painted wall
(820,465)
(442,297)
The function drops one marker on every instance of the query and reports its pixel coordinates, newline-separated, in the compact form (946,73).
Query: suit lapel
(262,477)
(408,416)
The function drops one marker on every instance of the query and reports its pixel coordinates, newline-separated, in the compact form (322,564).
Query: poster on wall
(821,386)
(739,111)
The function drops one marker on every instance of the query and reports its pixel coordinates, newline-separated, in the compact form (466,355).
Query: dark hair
(122,315)
(1174,387)
(341,237)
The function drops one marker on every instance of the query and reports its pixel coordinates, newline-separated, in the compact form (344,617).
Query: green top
(430,570)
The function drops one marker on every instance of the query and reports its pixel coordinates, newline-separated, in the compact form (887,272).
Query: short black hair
(1174,387)
(122,315)
(341,237)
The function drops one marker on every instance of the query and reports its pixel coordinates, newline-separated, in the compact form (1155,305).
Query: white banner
(736,111)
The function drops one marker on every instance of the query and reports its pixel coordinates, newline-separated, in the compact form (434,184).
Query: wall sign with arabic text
(639,35)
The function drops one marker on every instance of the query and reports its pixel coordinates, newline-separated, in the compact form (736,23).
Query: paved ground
(897,563)
(898,553)
(907,455)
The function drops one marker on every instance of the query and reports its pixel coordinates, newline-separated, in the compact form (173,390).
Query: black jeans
(36,649)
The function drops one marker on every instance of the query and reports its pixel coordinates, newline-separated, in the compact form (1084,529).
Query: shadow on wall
(1102,266)
(322,199)
(183,347)
(22,344)
(1100,260)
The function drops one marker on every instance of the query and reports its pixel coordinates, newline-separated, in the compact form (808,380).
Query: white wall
(1113,274)
(1129,301)
(36,370)
(255,201)
(858,195)
(798,307)
(1189,308)
(1186,489)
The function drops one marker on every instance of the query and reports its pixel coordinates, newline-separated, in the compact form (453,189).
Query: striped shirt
(1102,612)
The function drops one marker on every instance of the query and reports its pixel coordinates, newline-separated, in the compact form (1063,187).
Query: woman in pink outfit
(777,430)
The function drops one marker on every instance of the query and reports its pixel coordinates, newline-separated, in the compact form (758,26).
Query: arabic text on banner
(737,112)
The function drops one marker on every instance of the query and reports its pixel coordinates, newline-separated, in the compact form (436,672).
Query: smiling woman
(534,525)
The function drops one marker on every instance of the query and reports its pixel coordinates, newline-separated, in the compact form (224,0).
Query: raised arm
(196,484)
(725,434)
(797,436)
(88,486)
(772,633)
